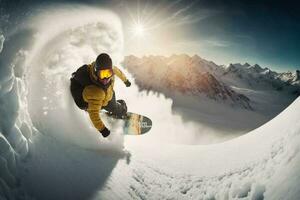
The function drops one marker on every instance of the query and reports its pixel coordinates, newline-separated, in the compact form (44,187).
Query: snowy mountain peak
(179,56)
(297,76)
(196,57)
(233,67)
(244,67)
(247,64)
(256,68)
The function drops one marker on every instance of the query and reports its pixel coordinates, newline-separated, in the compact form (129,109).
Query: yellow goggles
(105,73)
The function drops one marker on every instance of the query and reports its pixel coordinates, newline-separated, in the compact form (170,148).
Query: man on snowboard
(92,89)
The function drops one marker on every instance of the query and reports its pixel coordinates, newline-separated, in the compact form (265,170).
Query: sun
(139,29)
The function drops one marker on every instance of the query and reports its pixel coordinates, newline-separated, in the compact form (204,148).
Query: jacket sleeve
(119,74)
(94,97)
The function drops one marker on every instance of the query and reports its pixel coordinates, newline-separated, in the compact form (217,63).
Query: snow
(248,166)
(60,156)
(13,145)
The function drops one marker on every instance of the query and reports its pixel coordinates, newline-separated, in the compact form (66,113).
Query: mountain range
(195,76)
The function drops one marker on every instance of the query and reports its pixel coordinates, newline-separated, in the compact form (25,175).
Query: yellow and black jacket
(91,95)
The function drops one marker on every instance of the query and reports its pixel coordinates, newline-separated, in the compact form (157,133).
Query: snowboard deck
(134,124)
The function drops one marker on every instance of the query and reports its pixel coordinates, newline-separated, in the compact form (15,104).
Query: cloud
(204,43)
(186,15)
(218,43)
(194,17)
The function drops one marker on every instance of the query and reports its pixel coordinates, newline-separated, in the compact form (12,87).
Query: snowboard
(133,123)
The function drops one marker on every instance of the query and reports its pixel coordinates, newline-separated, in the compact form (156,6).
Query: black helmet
(103,61)
(103,69)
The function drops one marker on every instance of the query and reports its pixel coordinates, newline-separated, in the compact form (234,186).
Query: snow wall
(37,59)
(36,62)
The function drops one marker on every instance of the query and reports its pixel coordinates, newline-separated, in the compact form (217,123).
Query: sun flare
(139,30)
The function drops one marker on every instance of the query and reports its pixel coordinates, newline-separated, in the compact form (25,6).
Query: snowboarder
(92,90)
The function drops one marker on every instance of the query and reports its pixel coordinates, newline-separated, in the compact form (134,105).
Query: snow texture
(13,144)
(49,149)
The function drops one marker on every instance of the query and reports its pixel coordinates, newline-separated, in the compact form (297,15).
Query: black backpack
(79,80)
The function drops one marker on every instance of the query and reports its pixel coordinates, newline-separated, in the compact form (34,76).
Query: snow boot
(122,109)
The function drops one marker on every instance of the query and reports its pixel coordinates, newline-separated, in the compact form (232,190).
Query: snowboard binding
(121,112)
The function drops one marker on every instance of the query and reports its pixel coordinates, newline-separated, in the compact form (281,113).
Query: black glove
(127,83)
(105,132)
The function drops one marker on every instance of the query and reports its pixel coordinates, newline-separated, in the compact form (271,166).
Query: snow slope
(49,150)
(264,164)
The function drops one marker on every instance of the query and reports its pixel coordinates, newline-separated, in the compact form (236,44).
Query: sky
(258,31)
(263,32)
